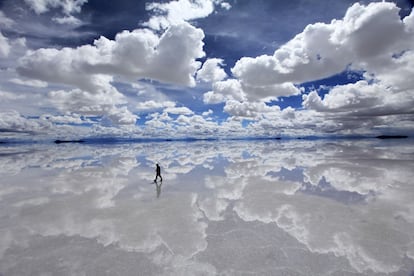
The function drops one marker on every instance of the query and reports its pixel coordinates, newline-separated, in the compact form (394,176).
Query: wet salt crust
(234,207)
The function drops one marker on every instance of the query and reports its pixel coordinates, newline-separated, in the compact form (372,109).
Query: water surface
(231,208)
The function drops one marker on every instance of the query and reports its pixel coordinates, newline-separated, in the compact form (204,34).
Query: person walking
(158,170)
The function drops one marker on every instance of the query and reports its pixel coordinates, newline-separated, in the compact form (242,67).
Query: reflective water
(228,208)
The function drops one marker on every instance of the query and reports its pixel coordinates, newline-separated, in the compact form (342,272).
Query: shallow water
(231,208)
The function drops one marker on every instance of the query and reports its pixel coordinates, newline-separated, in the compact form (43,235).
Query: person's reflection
(158,188)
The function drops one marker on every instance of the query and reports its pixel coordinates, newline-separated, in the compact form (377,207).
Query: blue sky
(205,68)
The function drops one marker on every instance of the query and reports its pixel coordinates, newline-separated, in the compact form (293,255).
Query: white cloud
(33,83)
(121,116)
(355,42)
(228,89)
(248,109)
(179,110)
(234,89)
(70,20)
(207,113)
(364,105)
(225,5)
(13,122)
(138,54)
(4,46)
(176,12)
(353,97)
(213,98)
(67,6)
(105,102)
(4,95)
(65,119)
(270,92)
(322,50)
(211,70)
(153,105)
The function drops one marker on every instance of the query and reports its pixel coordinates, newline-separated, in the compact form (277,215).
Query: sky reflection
(261,207)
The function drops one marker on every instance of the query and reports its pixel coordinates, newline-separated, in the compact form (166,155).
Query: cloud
(229,89)
(4,46)
(325,49)
(248,109)
(225,5)
(351,98)
(176,12)
(234,89)
(65,119)
(5,21)
(10,96)
(32,83)
(68,6)
(207,113)
(179,110)
(211,70)
(361,105)
(152,105)
(322,50)
(70,20)
(121,116)
(137,54)
(213,98)
(104,103)
(12,122)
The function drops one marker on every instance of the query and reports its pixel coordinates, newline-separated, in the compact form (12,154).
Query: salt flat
(297,207)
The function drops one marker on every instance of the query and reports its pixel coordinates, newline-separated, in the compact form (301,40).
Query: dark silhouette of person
(158,170)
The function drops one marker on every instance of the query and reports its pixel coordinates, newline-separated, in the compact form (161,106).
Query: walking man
(158,170)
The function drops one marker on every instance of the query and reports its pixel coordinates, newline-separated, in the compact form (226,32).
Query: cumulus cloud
(71,118)
(137,54)
(353,97)
(153,105)
(213,98)
(211,70)
(13,122)
(67,6)
(355,42)
(363,105)
(248,109)
(234,89)
(105,103)
(229,89)
(179,110)
(322,50)
(175,12)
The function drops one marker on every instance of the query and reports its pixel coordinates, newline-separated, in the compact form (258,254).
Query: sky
(75,69)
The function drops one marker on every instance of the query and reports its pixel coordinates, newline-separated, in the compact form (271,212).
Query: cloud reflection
(346,204)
